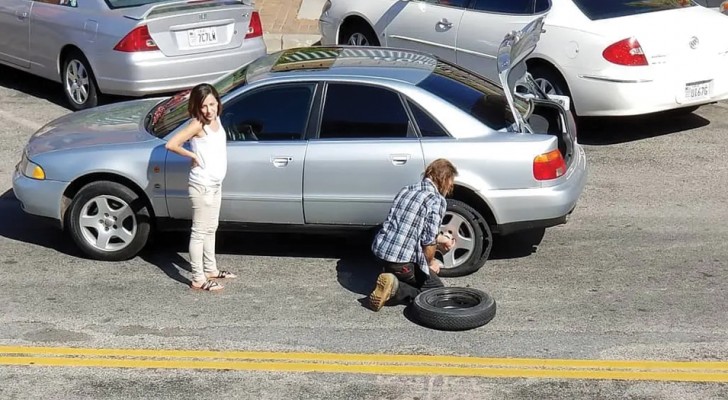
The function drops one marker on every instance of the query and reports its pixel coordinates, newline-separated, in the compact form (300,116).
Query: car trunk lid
(193,27)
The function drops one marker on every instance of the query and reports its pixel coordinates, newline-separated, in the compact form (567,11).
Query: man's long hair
(441,172)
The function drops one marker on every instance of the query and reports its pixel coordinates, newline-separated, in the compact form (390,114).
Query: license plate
(202,36)
(698,90)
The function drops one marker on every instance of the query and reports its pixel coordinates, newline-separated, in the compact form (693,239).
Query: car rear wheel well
(80,182)
(353,22)
(470,198)
(66,51)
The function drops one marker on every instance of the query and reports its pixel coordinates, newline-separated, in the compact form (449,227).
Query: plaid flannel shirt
(413,221)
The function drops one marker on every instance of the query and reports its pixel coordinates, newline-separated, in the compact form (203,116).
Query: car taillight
(625,52)
(138,39)
(256,28)
(549,165)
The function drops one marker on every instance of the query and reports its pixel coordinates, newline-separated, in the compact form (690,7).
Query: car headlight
(31,169)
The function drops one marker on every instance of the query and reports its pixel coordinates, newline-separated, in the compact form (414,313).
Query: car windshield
(473,94)
(601,9)
(172,112)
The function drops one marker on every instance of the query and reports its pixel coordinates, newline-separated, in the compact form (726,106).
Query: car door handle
(399,159)
(281,161)
(445,23)
(21,14)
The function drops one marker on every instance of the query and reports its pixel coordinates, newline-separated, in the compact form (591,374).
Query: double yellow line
(379,364)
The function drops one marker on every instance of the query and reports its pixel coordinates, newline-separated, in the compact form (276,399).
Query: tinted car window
(428,126)
(472,94)
(542,5)
(505,6)
(360,111)
(451,3)
(600,9)
(269,114)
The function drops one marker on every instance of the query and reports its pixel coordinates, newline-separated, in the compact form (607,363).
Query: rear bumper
(599,96)
(522,209)
(138,74)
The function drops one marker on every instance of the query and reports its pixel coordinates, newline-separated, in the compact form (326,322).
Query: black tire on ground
(358,34)
(108,221)
(453,308)
(473,240)
(79,82)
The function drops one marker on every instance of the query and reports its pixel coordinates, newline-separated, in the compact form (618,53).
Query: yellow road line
(682,376)
(368,358)
(380,364)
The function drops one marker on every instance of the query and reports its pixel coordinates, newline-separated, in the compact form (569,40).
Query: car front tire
(79,83)
(358,34)
(108,221)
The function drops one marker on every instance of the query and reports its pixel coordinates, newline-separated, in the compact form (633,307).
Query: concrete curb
(280,41)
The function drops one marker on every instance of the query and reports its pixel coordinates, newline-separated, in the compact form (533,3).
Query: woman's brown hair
(442,173)
(198,94)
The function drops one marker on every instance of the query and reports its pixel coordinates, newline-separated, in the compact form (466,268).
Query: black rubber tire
(350,29)
(453,308)
(92,99)
(482,237)
(138,207)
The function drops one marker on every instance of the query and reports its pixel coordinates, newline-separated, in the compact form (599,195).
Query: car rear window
(601,9)
(473,94)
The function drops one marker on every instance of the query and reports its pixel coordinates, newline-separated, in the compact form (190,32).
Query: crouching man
(409,238)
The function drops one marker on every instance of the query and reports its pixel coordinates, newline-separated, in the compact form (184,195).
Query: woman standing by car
(208,168)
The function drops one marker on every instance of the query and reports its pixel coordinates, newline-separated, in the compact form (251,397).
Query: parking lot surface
(637,275)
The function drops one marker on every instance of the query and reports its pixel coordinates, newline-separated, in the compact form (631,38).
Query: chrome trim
(422,42)
(605,79)
(476,53)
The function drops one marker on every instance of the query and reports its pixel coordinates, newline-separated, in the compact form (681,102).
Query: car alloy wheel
(77,82)
(107,223)
(473,240)
(546,86)
(358,39)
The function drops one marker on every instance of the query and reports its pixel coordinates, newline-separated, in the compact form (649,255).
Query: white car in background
(613,58)
(717,5)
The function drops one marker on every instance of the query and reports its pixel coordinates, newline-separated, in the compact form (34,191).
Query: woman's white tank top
(211,150)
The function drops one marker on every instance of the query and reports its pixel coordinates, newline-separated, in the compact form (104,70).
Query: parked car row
(360,123)
(620,57)
(128,47)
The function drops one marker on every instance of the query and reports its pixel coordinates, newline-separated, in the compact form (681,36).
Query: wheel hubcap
(463,233)
(546,86)
(107,223)
(77,82)
(358,39)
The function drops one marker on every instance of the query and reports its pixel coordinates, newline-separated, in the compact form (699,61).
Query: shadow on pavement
(20,226)
(599,131)
(32,85)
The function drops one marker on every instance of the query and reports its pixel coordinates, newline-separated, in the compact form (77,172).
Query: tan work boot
(387,285)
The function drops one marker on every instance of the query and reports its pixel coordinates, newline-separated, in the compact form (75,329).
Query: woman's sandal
(209,286)
(222,275)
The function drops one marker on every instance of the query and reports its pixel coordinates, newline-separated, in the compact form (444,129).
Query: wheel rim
(464,235)
(77,82)
(546,86)
(454,301)
(107,223)
(358,39)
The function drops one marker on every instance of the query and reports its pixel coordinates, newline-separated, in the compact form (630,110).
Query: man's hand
(435,266)
(445,242)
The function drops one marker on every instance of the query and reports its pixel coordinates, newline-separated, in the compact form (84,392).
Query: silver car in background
(128,47)
(319,139)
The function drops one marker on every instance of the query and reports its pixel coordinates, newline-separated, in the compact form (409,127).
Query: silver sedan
(128,47)
(319,138)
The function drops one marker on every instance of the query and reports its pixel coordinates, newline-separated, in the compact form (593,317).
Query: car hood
(512,53)
(105,125)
